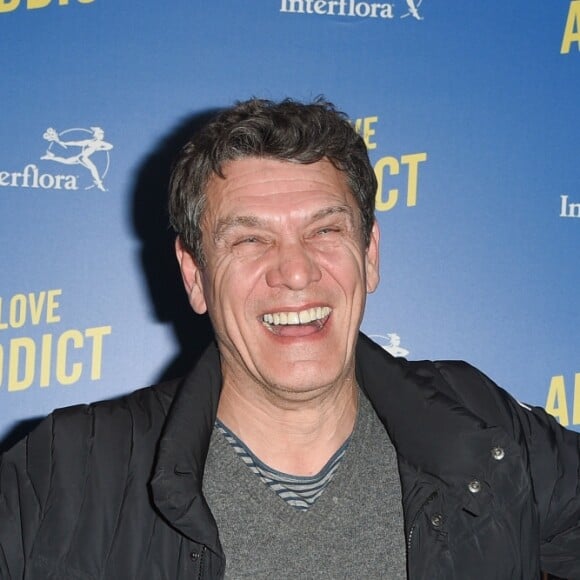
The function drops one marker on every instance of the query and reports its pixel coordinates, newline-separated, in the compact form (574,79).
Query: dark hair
(286,130)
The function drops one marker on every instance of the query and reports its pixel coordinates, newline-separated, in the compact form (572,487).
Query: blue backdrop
(470,113)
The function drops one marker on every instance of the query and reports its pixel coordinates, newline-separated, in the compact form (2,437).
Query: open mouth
(313,317)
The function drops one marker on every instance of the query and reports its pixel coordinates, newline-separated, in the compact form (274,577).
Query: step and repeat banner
(470,114)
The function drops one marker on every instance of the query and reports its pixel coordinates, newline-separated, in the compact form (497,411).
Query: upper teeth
(302,317)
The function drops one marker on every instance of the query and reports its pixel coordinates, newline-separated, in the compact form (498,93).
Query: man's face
(286,274)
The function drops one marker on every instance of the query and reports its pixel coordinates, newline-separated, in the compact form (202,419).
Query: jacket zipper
(429,499)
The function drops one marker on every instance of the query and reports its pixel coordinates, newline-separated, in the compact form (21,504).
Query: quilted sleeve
(553,463)
(24,481)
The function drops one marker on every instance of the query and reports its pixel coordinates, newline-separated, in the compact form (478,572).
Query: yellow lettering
(36,306)
(369,131)
(16,383)
(45,359)
(62,376)
(52,305)
(17,311)
(572,28)
(34,4)
(32,307)
(364,128)
(576,413)
(393,164)
(97,334)
(3,325)
(556,403)
(11,5)
(52,358)
(8,5)
(413,162)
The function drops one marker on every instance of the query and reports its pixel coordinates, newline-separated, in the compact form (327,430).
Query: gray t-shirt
(354,530)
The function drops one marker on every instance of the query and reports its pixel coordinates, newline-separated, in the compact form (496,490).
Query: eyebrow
(231,222)
(226,224)
(335,209)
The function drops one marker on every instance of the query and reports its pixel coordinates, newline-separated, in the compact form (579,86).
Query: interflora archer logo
(391,343)
(353,8)
(413,9)
(84,147)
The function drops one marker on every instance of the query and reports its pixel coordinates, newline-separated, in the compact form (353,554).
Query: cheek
(346,268)
(235,284)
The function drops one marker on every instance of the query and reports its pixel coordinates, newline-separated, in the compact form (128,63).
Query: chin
(301,382)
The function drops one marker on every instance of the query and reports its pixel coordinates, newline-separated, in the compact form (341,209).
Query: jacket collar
(426,418)
(419,410)
(176,484)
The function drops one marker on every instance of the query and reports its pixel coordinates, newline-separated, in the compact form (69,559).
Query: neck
(294,437)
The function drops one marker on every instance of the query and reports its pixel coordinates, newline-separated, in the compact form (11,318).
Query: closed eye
(248,240)
(249,245)
(328,230)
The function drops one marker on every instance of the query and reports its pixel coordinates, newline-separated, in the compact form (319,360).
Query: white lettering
(332,4)
(563,205)
(71,182)
(27,171)
(356,8)
(362,9)
(320,6)
(29,177)
(567,209)
(46,181)
(387,11)
(294,6)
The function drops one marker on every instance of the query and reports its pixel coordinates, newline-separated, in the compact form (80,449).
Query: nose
(293,267)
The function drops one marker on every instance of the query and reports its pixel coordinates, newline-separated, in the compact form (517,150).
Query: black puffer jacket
(113,490)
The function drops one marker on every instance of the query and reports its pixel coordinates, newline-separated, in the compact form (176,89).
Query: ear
(192,278)
(372,259)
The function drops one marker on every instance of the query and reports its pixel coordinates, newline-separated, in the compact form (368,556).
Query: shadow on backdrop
(151,226)
(17,432)
(150,223)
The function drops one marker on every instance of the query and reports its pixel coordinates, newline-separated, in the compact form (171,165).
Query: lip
(296,317)
(305,321)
